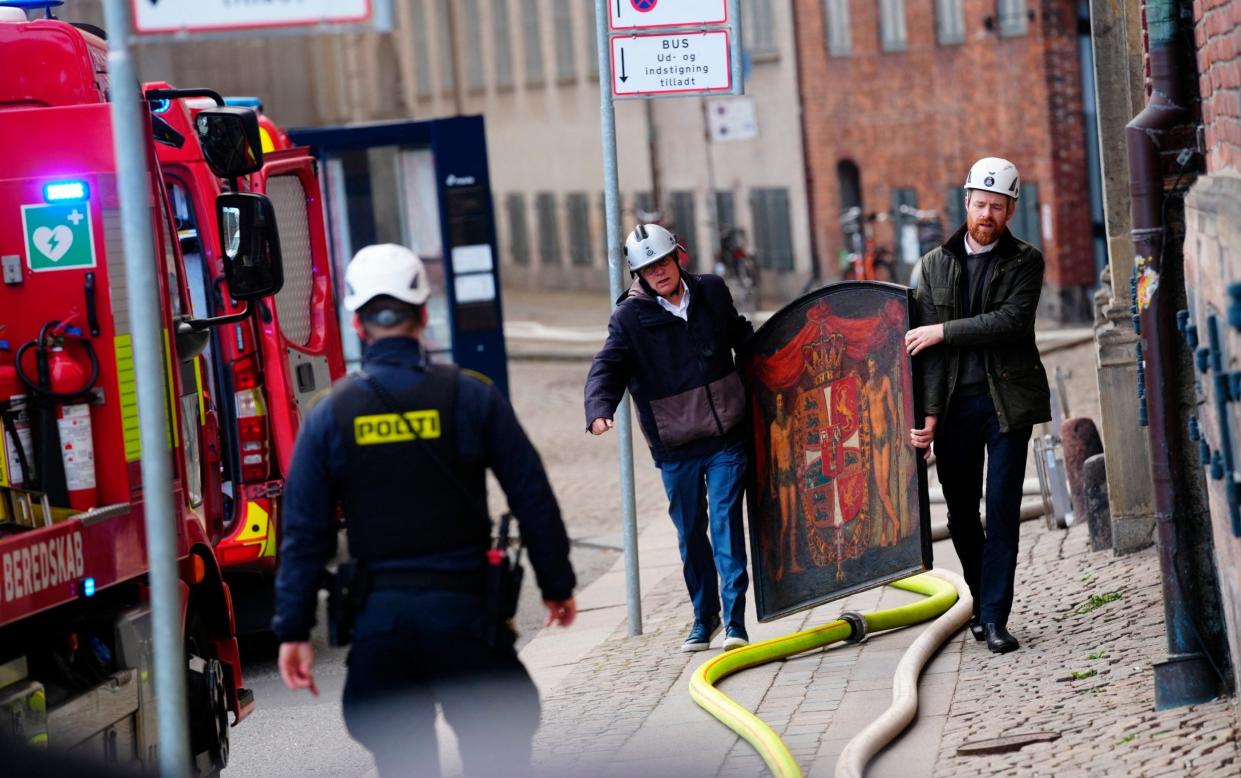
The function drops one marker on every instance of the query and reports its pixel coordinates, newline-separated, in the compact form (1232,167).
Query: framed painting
(837,496)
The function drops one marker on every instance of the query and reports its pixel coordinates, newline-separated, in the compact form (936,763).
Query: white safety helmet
(648,243)
(992,174)
(385,269)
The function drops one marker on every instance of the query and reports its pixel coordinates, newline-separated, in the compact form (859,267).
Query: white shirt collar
(969,250)
(680,310)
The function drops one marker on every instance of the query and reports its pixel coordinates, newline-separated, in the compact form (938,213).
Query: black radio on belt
(504,575)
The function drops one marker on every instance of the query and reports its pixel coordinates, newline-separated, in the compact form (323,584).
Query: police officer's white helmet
(385,269)
(993,174)
(648,243)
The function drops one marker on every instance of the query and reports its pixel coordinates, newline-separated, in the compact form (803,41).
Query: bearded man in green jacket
(983,385)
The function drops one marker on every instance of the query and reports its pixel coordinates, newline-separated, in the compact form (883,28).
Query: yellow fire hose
(941,595)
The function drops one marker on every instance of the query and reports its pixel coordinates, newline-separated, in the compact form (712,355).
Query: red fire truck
(264,371)
(75,650)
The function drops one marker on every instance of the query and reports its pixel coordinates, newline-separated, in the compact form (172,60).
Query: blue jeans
(413,649)
(704,494)
(988,560)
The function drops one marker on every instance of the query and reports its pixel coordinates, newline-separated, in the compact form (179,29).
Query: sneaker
(735,637)
(699,638)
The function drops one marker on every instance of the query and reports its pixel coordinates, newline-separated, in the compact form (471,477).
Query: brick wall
(919,118)
(1217,38)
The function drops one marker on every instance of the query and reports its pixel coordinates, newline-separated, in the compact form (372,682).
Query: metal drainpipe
(1185,677)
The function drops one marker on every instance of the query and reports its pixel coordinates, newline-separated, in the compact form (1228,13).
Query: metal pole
(133,181)
(616,277)
(713,216)
(735,63)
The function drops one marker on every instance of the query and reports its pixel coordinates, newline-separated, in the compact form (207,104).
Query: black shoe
(976,629)
(998,639)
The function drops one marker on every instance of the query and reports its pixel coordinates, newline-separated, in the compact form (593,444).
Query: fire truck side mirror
(250,243)
(230,140)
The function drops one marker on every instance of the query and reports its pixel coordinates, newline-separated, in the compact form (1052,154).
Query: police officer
(402,447)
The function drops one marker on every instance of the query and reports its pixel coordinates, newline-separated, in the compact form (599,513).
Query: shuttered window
(533,42)
(501,44)
(892,36)
(773,232)
(578,206)
(1013,18)
(474,79)
(444,41)
(760,29)
(548,237)
(422,52)
(725,211)
(684,222)
(592,55)
(562,18)
(837,33)
(518,234)
(949,22)
(1026,222)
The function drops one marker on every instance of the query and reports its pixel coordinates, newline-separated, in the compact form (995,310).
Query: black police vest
(399,495)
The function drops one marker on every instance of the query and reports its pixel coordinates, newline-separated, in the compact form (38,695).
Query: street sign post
(645,14)
(700,61)
(672,63)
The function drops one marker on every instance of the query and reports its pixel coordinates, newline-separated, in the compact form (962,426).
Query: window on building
(1026,222)
(905,225)
(533,42)
(548,236)
(892,36)
(725,211)
(592,55)
(643,205)
(760,29)
(1013,17)
(954,208)
(475,81)
(773,231)
(422,53)
(501,44)
(852,215)
(443,33)
(837,34)
(949,22)
(518,235)
(684,223)
(562,17)
(578,206)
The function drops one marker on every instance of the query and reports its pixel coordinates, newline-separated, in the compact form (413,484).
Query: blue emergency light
(161,106)
(65,191)
(88,587)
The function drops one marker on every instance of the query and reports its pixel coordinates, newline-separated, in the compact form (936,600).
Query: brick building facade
(901,96)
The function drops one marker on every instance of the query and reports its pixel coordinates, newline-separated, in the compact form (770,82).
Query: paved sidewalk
(620,706)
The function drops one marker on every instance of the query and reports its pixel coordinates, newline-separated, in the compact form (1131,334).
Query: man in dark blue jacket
(670,341)
(402,447)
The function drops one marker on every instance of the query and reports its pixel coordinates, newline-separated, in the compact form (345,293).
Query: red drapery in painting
(783,369)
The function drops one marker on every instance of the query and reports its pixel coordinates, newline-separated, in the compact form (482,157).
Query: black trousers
(415,649)
(969,430)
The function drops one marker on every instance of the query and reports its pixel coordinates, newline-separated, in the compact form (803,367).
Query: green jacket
(1004,331)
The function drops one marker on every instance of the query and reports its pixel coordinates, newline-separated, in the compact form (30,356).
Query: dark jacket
(487,433)
(681,373)
(1003,332)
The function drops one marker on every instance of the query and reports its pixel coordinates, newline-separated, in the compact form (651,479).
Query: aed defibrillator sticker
(396,428)
(58,236)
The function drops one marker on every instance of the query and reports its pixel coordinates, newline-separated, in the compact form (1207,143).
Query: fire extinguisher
(62,394)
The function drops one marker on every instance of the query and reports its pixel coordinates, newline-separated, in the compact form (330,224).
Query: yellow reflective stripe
(198,387)
(127,390)
(476,375)
(393,428)
(172,433)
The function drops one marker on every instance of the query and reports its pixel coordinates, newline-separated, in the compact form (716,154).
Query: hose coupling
(857,623)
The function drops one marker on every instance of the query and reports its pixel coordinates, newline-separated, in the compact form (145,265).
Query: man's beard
(981,237)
